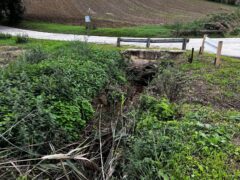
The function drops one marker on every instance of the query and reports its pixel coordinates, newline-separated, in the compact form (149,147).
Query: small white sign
(87,19)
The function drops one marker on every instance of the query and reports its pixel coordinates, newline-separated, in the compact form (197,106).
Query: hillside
(122,12)
(71,110)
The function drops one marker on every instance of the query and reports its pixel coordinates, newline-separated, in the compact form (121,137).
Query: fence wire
(211,46)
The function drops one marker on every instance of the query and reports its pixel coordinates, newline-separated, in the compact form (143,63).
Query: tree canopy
(11,11)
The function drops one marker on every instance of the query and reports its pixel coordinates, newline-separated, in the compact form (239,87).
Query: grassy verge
(141,31)
(46,44)
(187,124)
(50,45)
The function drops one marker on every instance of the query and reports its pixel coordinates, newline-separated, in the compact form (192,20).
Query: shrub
(236,31)
(177,26)
(5,36)
(153,111)
(22,38)
(50,101)
(169,83)
(35,55)
(70,118)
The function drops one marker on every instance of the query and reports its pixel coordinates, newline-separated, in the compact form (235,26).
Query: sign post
(88,23)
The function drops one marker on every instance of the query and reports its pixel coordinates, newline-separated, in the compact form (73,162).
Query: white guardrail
(220,47)
(227,49)
(211,45)
(214,47)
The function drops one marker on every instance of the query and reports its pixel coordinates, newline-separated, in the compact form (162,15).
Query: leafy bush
(50,101)
(22,38)
(70,118)
(35,55)
(222,22)
(154,110)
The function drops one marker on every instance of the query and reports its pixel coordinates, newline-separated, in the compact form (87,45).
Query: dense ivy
(50,99)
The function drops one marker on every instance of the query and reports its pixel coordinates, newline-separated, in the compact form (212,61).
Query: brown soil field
(122,12)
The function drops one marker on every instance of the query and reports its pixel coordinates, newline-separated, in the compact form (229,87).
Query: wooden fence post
(184,45)
(219,53)
(190,60)
(118,42)
(203,44)
(148,42)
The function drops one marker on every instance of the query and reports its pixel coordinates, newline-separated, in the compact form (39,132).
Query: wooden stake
(203,44)
(200,50)
(190,60)
(219,53)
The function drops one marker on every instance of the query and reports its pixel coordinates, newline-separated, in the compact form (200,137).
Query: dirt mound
(124,12)
(8,54)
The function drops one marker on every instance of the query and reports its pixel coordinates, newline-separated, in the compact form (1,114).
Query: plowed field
(122,12)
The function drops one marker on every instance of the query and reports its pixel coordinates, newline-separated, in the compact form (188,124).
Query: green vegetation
(5,36)
(196,135)
(48,96)
(193,146)
(49,45)
(74,98)
(223,83)
(141,31)
(22,38)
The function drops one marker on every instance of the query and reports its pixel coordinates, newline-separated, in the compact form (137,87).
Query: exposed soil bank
(8,54)
(109,126)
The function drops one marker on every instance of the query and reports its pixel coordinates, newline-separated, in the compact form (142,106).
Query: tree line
(11,11)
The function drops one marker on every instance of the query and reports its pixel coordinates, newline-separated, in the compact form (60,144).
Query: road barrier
(212,46)
(148,41)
